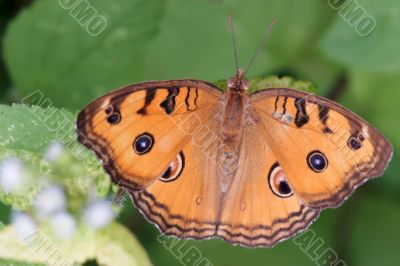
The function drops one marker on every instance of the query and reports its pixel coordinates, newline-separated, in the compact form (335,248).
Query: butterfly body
(235,106)
(252,169)
(234,115)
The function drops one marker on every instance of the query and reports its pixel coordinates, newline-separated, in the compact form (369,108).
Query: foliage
(111,246)
(26,133)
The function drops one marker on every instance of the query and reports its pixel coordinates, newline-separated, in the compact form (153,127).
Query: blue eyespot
(317,161)
(143,143)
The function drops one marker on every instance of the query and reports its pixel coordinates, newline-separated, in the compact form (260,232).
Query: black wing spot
(109,110)
(113,115)
(317,161)
(169,103)
(354,143)
(323,117)
(114,119)
(284,104)
(150,94)
(302,117)
(143,143)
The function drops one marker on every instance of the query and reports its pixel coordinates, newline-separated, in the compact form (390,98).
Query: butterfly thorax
(234,115)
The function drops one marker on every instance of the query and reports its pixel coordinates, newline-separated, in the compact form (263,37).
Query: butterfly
(252,169)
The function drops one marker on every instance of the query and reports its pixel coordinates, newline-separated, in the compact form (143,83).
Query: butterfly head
(238,83)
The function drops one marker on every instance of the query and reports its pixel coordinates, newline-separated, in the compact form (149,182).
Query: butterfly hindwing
(185,203)
(326,150)
(255,212)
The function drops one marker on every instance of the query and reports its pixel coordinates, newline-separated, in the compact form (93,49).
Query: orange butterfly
(253,169)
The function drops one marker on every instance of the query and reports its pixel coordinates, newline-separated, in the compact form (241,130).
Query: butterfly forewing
(134,130)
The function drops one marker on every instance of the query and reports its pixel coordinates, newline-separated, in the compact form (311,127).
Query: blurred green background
(46,46)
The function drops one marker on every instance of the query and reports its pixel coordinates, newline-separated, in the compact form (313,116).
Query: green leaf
(377,51)
(33,128)
(149,40)
(18,263)
(113,245)
(195,40)
(271,82)
(117,246)
(69,64)
(319,70)
(375,232)
(27,132)
(299,26)
(284,82)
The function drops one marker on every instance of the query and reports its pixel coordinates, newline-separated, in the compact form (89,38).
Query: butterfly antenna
(234,41)
(261,45)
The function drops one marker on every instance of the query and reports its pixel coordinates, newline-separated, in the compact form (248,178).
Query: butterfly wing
(134,130)
(291,161)
(325,150)
(187,205)
(255,212)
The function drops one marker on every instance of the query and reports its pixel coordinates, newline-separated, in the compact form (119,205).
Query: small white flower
(11,174)
(99,214)
(54,151)
(24,225)
(50,200)
(64,224)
